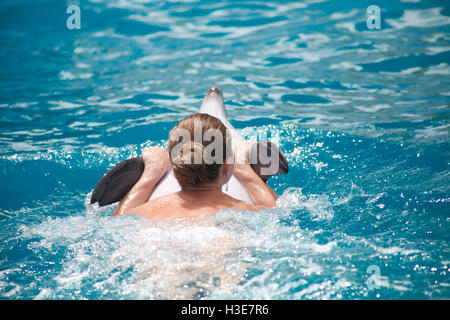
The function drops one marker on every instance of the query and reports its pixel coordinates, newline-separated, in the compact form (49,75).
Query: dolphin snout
(214,90)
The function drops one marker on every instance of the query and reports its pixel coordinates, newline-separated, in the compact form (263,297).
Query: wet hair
(192,165)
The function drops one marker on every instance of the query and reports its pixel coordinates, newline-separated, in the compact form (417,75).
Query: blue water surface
(361,115)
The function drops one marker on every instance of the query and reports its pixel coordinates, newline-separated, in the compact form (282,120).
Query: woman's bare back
(190,205)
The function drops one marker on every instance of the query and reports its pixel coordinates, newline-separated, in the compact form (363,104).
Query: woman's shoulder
(171,206)
(154,207)
(241,205)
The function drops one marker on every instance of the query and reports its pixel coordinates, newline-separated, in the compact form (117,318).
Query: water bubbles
(291,198)
(318,206)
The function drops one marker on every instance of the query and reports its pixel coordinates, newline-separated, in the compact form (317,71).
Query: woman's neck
(201,191)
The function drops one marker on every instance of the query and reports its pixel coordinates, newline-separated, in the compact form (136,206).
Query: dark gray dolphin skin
(116,183)
(266,153)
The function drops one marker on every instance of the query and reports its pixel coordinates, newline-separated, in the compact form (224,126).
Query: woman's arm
(261,193)
(157,164)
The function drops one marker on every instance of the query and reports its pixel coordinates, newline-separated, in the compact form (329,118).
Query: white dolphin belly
(213,105)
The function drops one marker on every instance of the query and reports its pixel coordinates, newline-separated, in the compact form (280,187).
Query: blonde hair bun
(189,165)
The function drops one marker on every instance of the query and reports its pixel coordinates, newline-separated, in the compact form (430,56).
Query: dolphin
(116,183)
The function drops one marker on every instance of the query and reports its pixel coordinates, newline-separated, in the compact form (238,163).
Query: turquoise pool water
(362,116)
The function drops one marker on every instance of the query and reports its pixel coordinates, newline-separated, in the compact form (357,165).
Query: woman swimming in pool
(201,177)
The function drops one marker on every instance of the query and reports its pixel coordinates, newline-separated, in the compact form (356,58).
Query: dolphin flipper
(267,160)
(116,183)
